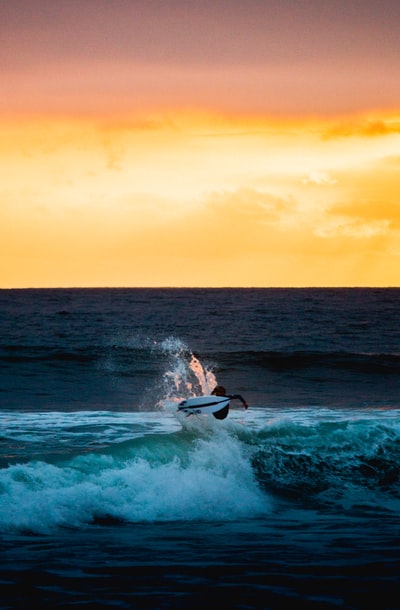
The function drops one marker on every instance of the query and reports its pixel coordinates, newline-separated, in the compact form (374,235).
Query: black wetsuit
(224,412)
(237,397)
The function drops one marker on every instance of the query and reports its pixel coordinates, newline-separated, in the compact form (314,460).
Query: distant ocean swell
(155,354)
(286,360)
(139,372)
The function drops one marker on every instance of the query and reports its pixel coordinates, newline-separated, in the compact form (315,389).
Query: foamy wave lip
(214,481)
(186,376)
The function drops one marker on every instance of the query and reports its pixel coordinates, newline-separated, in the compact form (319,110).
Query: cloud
(224,225)
(366,226)
(353,228)
(233,225)
(245,219)
(387,213)
(248,205)
(363,127)
(275,204)
(319,179)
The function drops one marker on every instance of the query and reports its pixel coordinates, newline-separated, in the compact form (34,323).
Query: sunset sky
(199,143)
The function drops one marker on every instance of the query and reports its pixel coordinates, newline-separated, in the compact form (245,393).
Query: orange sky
(151,143)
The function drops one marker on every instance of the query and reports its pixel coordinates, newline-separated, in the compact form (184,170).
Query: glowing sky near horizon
(188,143)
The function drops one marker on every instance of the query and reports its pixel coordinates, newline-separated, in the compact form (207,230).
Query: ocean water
(108,500)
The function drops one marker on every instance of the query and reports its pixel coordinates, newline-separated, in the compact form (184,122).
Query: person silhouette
(219,390)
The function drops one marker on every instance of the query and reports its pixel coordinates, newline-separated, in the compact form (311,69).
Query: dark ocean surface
(108,500)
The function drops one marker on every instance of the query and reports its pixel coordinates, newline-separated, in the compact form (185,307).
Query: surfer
(219,390)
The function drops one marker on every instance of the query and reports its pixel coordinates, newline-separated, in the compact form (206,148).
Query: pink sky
(272,57)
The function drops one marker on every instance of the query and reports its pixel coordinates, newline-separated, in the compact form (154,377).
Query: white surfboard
(205,405)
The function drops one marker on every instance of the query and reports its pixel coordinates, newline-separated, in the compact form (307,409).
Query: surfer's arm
(239,397)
